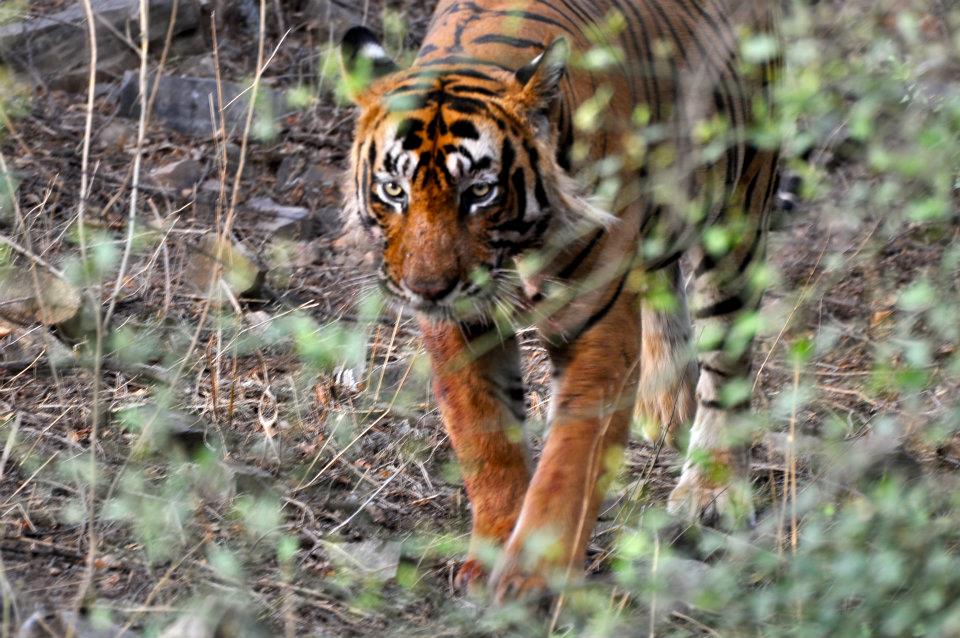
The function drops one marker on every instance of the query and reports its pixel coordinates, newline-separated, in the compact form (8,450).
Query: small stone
(288,172)
(183,103)
(48,299)
(115,135)
(68,623)
(236,266)
(322,177)
(354,247)
(278,220)
(211,186)
(259,323)
(249,479)
(177,176)
(376,559)
(215,620)
(307,253)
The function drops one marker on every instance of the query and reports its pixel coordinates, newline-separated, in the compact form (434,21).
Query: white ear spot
(373,51)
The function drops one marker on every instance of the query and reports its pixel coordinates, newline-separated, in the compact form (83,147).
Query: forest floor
(347,460)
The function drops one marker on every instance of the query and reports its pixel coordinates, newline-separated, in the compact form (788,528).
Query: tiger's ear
(363,60)
(540,78)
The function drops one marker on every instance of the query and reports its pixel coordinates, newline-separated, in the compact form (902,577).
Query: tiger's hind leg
(714,483)
(668,371)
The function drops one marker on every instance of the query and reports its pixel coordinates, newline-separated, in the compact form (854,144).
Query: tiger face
(453,171)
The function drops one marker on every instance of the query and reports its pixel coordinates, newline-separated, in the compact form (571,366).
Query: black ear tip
(355,38)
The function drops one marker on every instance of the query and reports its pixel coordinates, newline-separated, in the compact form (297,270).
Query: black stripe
(463,89)
(539,191)
(507,157)
(412,87)
(716,371)
(410,130)
(534,17)
(664,262)
(456,60)
(519,183)
(571,268)
(647,61)
(465,129)
(707,263)
(603,312)
(717,405)
(724,307)
(473,74)
(517,43)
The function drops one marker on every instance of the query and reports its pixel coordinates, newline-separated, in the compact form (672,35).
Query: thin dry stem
(137,161)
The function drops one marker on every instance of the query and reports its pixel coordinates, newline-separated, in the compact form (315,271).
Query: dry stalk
(137,161)
(167,43)
(369,500)
(339,454)
(792,459)
(158,587)
(386,359)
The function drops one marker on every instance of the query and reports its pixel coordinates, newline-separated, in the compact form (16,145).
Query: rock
(183,103)
(336,16)
(288,173)
(259,324)
(161,428)
(180,175)
(397,377)
(236,266)
(116,135)
(67,623)
(215,620)
(278,220)
(249,479)
(376,559)
(307,253)
(328,221)
(211,186)
(48,300)
(244,14)
(322,179)
(52,49)
(354,247)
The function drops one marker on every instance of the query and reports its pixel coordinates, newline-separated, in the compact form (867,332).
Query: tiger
(506,180)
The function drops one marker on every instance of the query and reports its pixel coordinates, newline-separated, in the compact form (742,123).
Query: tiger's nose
(431,289)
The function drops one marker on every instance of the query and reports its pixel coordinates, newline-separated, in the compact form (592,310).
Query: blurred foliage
(865,550)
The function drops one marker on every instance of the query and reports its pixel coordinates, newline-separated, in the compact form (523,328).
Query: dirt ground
(347,462)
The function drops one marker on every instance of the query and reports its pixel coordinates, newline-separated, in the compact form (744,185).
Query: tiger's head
(453,169)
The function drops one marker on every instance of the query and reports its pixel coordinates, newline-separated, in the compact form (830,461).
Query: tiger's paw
(509,582)
(470,577)
(698,498)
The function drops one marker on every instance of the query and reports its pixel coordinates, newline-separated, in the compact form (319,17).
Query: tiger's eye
(393,190)
(480,190)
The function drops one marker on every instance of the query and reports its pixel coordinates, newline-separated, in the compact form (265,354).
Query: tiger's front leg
(480,392)
(595,385)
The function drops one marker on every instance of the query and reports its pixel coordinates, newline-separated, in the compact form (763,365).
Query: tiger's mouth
(482,298)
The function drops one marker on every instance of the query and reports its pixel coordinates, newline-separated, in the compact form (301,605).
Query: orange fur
(488,102)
